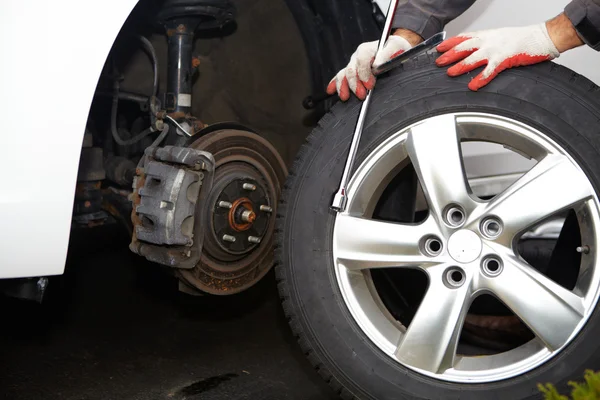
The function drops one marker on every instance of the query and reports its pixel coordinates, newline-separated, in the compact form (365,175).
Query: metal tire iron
(340,198)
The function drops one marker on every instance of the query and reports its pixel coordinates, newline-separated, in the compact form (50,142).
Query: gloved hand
(498,48)
(357,76)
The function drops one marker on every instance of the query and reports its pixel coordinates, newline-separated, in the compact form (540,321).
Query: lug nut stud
(225,204)
(229,238)
(583,249)
(253,239)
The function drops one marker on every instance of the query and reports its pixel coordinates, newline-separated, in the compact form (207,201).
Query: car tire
(548,97)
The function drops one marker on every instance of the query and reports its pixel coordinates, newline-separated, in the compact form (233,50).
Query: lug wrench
(340,198)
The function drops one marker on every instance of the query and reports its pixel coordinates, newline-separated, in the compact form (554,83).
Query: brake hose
(152,53)
(162,136)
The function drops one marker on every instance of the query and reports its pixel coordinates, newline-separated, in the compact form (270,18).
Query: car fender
(52,56)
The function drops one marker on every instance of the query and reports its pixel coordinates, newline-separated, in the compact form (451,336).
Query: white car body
(52,56)
(49,74)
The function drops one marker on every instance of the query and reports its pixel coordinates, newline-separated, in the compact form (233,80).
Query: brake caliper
(169,194)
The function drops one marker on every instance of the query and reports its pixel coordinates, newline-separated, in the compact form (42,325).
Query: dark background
(115,327)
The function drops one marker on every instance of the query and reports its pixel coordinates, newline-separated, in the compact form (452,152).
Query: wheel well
(256,73)
(331,30)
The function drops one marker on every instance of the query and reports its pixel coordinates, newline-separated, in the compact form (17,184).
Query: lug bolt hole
(454,277)
(455,216)
(491,228)
(492,266)
(432,246)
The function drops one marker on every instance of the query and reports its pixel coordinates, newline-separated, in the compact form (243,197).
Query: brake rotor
(239,241)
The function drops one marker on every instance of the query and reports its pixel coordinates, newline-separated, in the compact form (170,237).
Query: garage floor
(115,327)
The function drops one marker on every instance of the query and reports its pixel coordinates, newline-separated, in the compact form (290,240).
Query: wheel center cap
(464,246)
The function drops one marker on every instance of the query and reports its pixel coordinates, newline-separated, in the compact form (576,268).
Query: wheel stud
(266,208)
(492,266)
(583,249)
(225,204)
(491,227)
(229,238)
(249,186)
(253,239)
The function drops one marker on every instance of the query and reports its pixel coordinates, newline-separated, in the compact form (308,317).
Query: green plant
(588,390)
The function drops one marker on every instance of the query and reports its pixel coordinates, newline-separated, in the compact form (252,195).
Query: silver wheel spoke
(551,311)
(432,336)
(363,243)
(550,186)
(434,150)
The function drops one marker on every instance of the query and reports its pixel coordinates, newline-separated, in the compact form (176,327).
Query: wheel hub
(237,226)
(464,246)
(238,242)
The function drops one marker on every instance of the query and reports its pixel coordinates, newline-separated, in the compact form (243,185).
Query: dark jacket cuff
(585,17)
(416,21)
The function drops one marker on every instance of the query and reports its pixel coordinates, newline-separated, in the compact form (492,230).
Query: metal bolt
(229,238)
(249,186)
(225,204)
(253,239)
(266,209)
(248,216)
(583,249)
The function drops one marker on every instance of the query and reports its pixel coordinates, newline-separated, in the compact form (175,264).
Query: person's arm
(500,49)
(413,20)
(416,20)
(584,15)
(563,33)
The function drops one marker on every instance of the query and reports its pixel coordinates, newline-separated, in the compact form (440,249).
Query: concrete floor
(115,327)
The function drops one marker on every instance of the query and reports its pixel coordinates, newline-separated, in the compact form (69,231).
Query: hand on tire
(357,76)
(499,49)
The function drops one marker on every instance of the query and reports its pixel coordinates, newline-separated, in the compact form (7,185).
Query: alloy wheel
(467,246)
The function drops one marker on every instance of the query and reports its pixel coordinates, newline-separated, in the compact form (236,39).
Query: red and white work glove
(498,48)
(357,76)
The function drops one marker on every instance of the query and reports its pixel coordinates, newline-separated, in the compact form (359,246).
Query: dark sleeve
(427,17)
(585,17)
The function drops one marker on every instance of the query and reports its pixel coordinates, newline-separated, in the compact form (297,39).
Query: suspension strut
(181,20)
(180,36)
